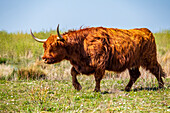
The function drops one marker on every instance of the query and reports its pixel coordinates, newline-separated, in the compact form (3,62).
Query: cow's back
(129,48)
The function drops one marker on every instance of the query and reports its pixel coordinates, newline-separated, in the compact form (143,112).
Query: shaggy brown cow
(94,50)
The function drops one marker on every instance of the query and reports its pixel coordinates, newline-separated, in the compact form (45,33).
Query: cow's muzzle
(49,61)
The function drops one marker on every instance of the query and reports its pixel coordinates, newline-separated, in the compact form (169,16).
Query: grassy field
(29,85)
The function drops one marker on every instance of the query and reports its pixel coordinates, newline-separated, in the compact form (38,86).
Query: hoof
(77,87)
(97,90)
(161,87)
(127,89)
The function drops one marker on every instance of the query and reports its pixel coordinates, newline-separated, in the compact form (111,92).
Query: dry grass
(31,73)
(165,62)
(61,71)
(5,71)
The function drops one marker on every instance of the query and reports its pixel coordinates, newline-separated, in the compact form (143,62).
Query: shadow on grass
(147,88)
(139,89)
(150,88)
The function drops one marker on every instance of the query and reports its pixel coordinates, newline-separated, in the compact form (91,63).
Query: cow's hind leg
(134,75)
(75,82)
(98,77)
(157,71)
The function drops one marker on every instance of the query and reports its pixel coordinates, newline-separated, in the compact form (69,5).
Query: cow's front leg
(98,77)
(75,82)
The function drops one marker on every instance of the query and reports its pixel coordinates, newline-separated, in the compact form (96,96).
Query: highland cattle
(96,49)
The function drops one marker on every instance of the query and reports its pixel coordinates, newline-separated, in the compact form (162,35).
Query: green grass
(163,41)
(20,53)
(60,96)
(19,48)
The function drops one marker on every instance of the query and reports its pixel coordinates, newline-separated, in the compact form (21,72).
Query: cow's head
(54,48)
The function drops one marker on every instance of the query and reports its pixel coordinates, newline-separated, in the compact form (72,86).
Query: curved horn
(58,32)
(38,40)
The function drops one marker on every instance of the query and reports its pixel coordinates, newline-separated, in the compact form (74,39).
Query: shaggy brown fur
(94,50)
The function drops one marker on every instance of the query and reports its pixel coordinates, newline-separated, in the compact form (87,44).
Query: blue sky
(40,15)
